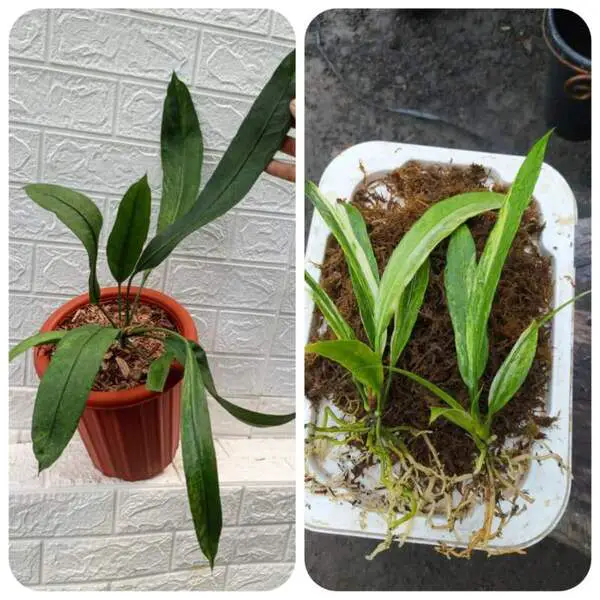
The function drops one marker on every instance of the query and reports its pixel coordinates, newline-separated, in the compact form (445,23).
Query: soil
(524,292)
(123,367)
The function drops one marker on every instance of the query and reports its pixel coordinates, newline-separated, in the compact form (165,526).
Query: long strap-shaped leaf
(345,225)
(359,227)
(64,389)
(364,364)
(259,137)
(516,366)
(181,153)
(407,312)
(498,246)
(249,417)
(130,230)
(200,461)
(436,224)
(329,310)
(80,215)
(459,279)
(47,337)
(513,371)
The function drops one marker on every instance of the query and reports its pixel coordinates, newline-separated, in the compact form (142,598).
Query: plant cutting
(124,363)
(390,465)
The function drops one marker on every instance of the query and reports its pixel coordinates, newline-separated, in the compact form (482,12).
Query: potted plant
(425,421)
(124,363)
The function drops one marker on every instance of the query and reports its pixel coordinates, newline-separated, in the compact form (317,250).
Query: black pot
(569,88)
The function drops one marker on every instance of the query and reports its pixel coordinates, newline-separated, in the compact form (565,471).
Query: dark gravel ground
(483,71)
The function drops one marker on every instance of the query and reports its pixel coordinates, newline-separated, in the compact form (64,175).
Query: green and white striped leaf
(407,312)
(80,215)
(344,224)
(437,223)
(64,389)
(364,364)
(362,235)
(516,366)
(497,247)
(329,310)
(513,371)
(459,276)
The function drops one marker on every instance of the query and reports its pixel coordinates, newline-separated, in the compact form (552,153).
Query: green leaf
(181,153)
(364,364)
(497,247)
(407,312)
(459,277)
(47,337)
(513,371)
(130,230)
(439,392)
(437,223)
(159,371)
(80,215)
(461,261)
(259,137)
(362,236)
(64,389)
(249,417)
(459,417)
(200,461)
(344,224)
(329,310)
(516,366)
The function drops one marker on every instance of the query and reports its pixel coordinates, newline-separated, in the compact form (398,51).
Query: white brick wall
(73,528)
(86,90)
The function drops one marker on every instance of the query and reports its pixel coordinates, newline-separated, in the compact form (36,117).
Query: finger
(289,146)
(293,107)
(283,170)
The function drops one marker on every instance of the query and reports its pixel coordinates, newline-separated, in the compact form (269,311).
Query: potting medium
(546,482)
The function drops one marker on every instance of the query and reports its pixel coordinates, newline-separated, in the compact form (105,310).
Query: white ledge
(241,461)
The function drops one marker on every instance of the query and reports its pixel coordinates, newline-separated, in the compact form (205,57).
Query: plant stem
(128,291)
(119,302)
(137,296)
(378,412)
(107,316)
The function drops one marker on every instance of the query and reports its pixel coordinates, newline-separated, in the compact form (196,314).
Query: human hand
(282,169)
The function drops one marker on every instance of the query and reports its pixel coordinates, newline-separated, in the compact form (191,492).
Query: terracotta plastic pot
(131,434)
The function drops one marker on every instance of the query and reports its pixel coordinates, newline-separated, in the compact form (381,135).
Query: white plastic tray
(545,481)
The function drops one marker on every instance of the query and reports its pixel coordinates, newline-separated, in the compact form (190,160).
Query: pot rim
(121,398)
(556,42)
